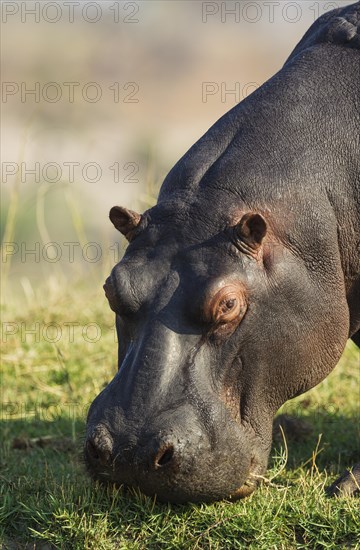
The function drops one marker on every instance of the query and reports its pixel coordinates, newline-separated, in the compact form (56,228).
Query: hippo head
(213,338)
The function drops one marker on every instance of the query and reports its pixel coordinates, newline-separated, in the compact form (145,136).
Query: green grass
(46,496)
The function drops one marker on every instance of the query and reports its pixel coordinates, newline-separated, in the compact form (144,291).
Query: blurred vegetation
(57,233)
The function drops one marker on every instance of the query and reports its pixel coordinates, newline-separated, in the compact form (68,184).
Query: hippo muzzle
(183,443)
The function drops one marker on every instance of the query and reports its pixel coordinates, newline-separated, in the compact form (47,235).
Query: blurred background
(99,100)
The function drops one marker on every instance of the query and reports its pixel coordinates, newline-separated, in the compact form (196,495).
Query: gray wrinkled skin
(189,414)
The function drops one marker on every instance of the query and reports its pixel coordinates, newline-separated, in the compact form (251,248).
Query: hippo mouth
(176,492)
(175,475)
(249,486)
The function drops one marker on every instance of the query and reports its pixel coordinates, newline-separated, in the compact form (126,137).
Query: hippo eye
(225,309)
(229,304)
(226,306)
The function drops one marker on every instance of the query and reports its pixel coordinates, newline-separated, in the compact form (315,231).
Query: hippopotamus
(240,288)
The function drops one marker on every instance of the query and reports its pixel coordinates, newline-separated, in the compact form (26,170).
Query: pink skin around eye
(225,305)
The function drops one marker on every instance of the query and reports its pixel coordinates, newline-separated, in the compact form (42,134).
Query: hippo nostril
(92,450)
(164,456)
(99,450)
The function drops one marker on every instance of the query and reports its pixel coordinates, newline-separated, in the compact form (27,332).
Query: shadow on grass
(29,446)
(334,439)
(46,493)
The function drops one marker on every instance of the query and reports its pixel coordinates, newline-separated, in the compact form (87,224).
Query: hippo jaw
(177,469)
(175,484)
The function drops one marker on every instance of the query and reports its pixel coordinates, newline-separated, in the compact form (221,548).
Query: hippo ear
(251,230)
(125,221)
